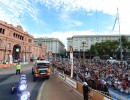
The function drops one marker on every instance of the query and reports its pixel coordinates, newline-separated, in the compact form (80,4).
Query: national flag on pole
(116,19)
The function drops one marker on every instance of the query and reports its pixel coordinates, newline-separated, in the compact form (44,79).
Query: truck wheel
(47,77)
(32,71)
(34,79)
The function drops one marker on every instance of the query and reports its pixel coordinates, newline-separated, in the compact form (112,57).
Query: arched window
(0,42)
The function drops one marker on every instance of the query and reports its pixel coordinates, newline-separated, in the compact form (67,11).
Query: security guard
(86,90)
(18,67)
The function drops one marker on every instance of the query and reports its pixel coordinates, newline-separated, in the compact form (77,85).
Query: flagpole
(119,35)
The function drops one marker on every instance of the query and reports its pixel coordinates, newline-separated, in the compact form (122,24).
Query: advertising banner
(62,76)
(5,65)
(71,82)
(118,95)
(71,60)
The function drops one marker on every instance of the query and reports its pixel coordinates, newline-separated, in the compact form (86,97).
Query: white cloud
(106,6)
(67,21)
(13,11)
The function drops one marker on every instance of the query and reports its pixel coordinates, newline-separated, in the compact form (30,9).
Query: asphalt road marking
(39,97)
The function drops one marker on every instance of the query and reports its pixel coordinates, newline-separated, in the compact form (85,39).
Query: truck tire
(34,79)
(47,77)
(32,71)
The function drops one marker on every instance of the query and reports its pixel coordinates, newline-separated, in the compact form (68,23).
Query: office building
(52,44)
(77,40)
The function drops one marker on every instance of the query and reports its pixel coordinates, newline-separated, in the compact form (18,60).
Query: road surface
(8,78)
(57,89)
(53,89)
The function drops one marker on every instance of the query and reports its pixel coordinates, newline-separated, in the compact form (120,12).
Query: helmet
(23,75)
(85,83)
(22,78)
(23,81)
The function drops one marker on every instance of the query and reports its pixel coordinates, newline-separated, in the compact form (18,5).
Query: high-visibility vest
(18,67)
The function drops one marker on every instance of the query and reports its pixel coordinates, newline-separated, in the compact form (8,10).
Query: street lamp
(83,43)
(17,49)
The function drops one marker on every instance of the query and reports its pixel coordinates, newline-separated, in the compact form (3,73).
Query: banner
(62,76)
(71,82)
(71,60)
(118,95)
(5,65)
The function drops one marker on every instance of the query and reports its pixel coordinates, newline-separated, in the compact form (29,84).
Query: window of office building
(81,49)
(76,49)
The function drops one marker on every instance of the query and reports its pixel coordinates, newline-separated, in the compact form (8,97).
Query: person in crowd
(101,73)
(86,90)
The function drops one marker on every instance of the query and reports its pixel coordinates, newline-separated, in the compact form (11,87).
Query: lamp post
(83,43)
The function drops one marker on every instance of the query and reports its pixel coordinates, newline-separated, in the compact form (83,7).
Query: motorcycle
(24,95)
(21,89)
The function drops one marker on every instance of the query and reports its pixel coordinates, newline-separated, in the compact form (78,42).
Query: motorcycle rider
(22,80)
(13,89)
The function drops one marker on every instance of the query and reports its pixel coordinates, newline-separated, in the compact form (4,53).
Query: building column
(10,59)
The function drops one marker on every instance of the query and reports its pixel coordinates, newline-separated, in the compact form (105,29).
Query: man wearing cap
(85,90)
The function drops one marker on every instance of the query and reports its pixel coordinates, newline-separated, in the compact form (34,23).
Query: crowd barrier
(5,65)
(94,94)
(118,95)
(11,65)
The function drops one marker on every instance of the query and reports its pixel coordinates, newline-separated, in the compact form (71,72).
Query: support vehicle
(41,69)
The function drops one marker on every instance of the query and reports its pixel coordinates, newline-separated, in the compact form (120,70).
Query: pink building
(16,44)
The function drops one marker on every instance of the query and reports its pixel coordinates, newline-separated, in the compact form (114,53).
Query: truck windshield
(42,65)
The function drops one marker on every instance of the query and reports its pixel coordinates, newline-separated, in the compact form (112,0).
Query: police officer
(85,90)
(18,67)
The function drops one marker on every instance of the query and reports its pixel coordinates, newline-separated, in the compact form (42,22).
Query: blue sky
(65,18)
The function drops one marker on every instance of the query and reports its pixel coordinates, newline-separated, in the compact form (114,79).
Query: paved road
(56,89)
(53,89)
(8,77)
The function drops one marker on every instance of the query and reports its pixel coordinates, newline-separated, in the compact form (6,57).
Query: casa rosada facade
(15,44)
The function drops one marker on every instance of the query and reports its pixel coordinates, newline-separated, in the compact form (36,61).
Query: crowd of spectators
(99,74)
(114,75)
